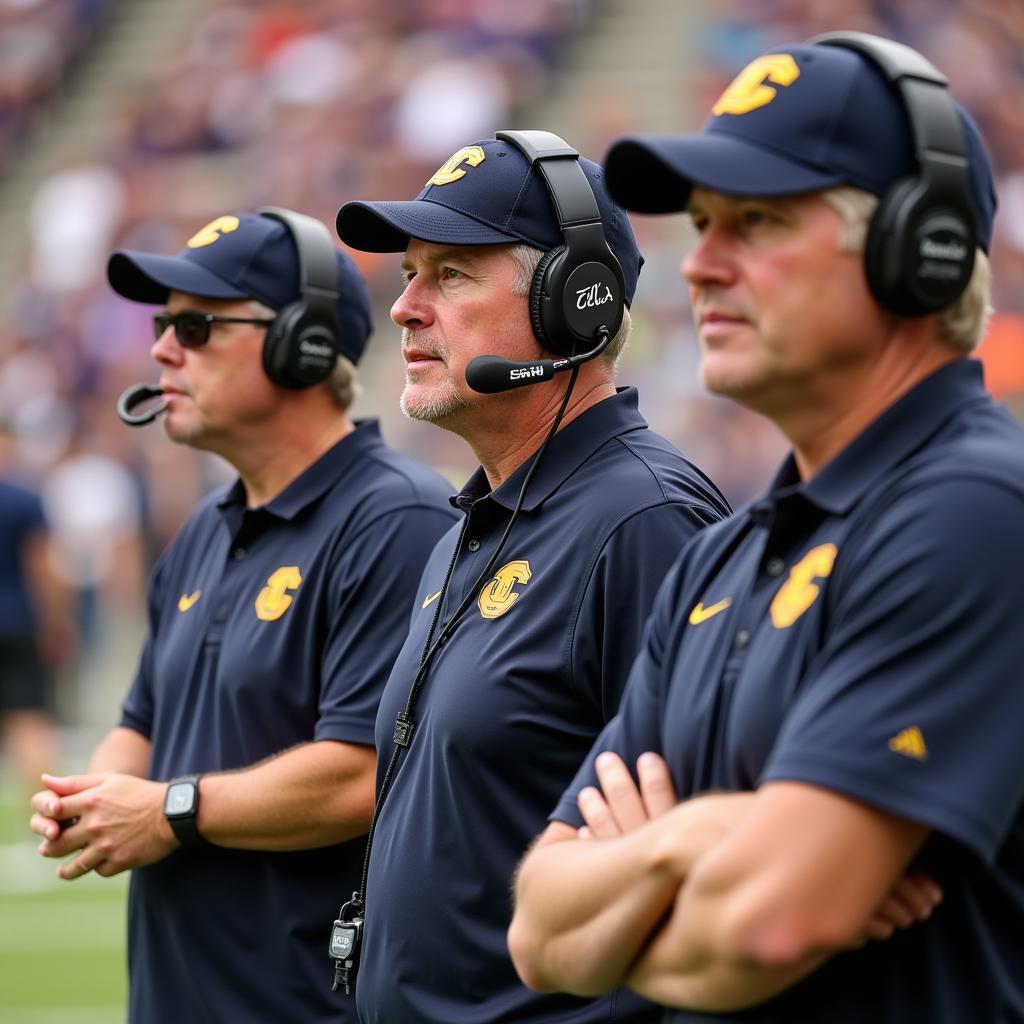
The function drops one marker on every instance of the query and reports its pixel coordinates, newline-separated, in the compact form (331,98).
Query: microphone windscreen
(491,374)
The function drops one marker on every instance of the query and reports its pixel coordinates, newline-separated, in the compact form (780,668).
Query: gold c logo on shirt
(273,601)
(450,170)
(800,591)
(187,600)
(749,90)
(498,596)
(209,234)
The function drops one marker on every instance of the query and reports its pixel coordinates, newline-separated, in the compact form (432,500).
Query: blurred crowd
(309,103)
(39,41)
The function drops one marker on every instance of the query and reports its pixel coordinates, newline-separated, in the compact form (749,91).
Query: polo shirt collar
(569,449)
(315,481)
(890,439)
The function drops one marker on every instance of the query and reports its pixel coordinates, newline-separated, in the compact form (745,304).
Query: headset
(302,344)
(577,295)
(922,238)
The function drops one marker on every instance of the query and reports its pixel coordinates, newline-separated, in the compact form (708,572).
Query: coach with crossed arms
(845,654)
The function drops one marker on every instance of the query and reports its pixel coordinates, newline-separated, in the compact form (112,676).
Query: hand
(619,806)
(910,901)
(116,821)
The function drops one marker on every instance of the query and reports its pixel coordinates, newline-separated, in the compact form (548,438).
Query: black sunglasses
(193,329)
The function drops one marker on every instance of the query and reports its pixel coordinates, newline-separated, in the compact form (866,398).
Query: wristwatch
(181,805)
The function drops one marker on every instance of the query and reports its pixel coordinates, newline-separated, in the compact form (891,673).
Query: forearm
(312,795)
(689,965)
(584,908)
(123,751)
(777,897)
(584,912)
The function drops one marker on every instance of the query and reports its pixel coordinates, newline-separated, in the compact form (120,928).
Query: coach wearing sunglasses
(243,765)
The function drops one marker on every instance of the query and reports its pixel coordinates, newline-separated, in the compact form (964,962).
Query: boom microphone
(490,374)
(137,395)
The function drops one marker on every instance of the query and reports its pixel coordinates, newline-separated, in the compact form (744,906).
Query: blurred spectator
(73,218)
(92,504)
(37,634)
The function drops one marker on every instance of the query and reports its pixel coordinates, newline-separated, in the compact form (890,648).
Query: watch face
(179,798)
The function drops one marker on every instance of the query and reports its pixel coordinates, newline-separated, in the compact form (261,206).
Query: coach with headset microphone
(529,611)
(241,774)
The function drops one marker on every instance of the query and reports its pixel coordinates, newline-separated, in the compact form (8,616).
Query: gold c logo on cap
(498,596)
(212,231)
(749,89)
(450,170)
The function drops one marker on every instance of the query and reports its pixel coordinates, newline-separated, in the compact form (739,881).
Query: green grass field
(61,943)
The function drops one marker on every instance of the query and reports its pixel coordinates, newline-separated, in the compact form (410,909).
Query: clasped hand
(114,822)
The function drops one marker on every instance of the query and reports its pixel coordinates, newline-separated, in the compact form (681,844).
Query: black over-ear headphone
(922,238)
(577,286)
(302,344)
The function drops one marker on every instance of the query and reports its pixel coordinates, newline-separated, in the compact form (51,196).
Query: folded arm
(715,903)
(585,907)
(775,898)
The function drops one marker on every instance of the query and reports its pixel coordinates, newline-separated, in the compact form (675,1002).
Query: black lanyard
(346,934)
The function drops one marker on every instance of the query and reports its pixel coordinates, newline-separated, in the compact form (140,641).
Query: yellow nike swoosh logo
(701,614)
(430,599)
(187,600)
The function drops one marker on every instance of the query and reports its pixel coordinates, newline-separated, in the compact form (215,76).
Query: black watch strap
(181,807)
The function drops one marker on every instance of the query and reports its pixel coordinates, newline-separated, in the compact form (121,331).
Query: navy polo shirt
(862,632)
(510,707)
(269,627)
(21,515)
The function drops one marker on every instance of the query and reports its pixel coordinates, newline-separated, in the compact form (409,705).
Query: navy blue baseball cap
(798,119)
(243,256)
(485,194)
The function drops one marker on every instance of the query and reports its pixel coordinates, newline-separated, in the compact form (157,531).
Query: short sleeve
(137,708)
(373,586)
(915,702)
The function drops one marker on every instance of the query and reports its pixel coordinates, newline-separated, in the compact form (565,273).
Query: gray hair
(343,383)
(961,325)
(526,259)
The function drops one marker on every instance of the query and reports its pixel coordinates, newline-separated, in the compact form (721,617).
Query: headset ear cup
(886,245)
(275,344)
(544,295)
(300,350)
(904,250)
(279,346)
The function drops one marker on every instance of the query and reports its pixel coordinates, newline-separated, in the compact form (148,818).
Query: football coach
(241,774)
(842,659)
(519,272)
